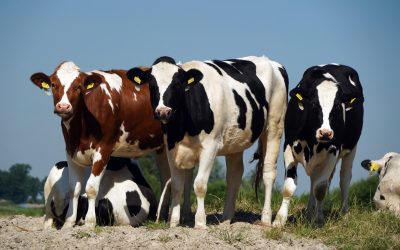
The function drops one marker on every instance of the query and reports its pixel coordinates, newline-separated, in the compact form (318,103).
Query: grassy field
(7,209)
(362,228)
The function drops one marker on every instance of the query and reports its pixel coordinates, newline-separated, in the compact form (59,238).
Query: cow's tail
(258,155)
(162,199)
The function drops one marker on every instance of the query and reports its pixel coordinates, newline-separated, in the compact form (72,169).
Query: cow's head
(322,102)
(387,194)
(167,83)
(65,85)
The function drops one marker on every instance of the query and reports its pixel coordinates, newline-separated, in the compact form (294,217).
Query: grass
(229,236)
(7,209)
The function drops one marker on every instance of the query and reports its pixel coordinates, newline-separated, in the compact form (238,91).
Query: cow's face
(387,194)
(65,85)
(167,83)
(319,99)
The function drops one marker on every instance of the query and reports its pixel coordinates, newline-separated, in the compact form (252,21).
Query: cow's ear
(309,81)
(351,89)
(91,82)
(371,166)
(138,75)
(193,76)
(42,81)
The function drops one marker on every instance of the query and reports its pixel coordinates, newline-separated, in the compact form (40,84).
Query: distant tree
(17,185)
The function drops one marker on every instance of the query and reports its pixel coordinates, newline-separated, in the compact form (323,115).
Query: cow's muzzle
(63,110)
(163,114)
(324,135)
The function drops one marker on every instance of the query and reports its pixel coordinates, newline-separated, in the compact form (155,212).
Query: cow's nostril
(382,197)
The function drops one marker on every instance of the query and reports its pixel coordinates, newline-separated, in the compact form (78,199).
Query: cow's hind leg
(234,164)
(289,187)
(271,139)
(345,178)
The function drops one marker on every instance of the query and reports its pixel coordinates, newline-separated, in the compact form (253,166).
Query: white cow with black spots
(125,198)
(387,194)
(323,124)
(217,108)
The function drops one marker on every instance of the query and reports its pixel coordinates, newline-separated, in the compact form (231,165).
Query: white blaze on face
(67,73)
(326,95)
(163,73)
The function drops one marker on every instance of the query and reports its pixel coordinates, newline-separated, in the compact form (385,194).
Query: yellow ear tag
(45,85)
(374,167)
(299,97)
(137,79)
(352,100)
(191,80)
(90,85)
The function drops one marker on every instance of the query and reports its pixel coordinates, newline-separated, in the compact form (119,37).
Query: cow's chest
(186,153)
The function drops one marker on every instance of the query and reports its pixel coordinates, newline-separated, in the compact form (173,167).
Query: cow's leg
(100,160)
(320,181)
(165,174)
(234,173)
(271,140)
(76,174)
(177,185)
(345,178)
(206,163)
(289,187)
(186,208)
(311,202)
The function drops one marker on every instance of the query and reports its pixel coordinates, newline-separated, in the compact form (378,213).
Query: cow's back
(239,92)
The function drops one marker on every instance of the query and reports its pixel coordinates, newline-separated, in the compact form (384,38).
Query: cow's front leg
(345,178)
(165,175)
(289,187)
(177,186)
(234,173)
(76,174)
(100,160)
(206,163)
(320,180)
(186,208)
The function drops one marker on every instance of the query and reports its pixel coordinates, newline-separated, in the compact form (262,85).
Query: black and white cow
(387,194)
(125,198)
(323,124)
(215,108)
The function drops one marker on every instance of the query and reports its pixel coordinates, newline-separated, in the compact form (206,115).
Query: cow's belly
(123,149)
(235,140)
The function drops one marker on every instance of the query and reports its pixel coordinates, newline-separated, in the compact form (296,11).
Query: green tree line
(17,185)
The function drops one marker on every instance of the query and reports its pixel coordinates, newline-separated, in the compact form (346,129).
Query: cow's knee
(91,191)
(200,187)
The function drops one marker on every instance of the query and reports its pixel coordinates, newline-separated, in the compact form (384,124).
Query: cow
(323,124)
(387,194)
(102,114)
(215,108)
(125,197)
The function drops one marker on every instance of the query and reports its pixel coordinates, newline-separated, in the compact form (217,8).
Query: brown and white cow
(102,114)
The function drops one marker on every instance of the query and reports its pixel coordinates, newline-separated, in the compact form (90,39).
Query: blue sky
(38,35)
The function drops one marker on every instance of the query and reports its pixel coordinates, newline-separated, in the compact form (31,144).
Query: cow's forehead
(327,93)
(164,72)
(67,72)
